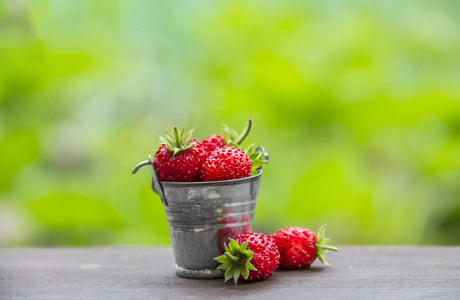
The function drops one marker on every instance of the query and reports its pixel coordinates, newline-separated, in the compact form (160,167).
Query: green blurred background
(358,104)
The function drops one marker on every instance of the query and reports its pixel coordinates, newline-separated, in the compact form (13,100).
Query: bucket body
(202,216)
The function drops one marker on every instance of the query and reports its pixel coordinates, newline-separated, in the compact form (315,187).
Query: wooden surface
(148,273)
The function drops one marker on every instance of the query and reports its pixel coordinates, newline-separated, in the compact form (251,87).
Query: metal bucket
(202,216)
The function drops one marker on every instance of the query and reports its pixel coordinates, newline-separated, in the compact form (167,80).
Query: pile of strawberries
(254,256)
(218,157)
(250,256)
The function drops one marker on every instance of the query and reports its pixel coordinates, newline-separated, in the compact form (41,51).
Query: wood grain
(148,273)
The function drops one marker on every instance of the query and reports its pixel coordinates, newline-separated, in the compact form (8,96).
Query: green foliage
(357,104)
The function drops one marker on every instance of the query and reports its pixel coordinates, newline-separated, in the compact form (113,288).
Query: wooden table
(148,273)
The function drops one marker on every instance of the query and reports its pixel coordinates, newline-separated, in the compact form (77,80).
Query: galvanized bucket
(202,216)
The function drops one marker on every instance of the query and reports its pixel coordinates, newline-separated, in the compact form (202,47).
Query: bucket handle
(265,157)
(156,185)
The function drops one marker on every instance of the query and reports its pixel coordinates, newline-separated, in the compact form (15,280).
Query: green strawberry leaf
(221,259)
(245,273)
(236,261)
(250,266)
(229,273)
(234,245)
(236,274)
(257,163)
(249,255)
(244,246)
(254,156)
(224,266)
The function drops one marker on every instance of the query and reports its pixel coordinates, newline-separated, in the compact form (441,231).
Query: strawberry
(250,257)
(300,247)
(212,143)
(226,163)
(177,160)
(231,163)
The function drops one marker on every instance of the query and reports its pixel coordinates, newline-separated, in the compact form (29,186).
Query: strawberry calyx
(236,260)
(322,245)
(176,141)
(256,157)
(232,138)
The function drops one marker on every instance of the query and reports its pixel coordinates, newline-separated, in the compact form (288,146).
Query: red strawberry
(212,143)
(250,257)
(226,163)
(177,160)
(300,247)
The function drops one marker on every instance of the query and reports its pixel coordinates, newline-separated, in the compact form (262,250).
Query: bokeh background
(358,104)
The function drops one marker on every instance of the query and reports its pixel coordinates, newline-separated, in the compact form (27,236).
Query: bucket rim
(213,183)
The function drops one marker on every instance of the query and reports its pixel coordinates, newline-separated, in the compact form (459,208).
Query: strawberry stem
(245,133)
(232,257)
(328,248)
(232,138)
(322,247)
(176,135)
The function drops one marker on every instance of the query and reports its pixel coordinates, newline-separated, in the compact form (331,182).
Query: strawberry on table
(178,159)
(251,257)
(300,247)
